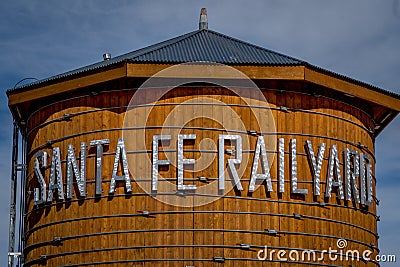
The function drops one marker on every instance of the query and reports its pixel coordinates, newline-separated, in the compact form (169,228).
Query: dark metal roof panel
(210,46)
(196,46)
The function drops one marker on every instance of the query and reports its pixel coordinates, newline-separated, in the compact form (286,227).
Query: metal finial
(203,23)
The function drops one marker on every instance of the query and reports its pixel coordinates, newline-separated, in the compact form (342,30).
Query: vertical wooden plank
(218,221)
(187,252)
(198,238)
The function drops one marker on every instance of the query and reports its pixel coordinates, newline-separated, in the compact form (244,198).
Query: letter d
(260,252)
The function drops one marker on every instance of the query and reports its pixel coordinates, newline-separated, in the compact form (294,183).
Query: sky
(357,38)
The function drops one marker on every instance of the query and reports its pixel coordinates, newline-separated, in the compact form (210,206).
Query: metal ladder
(17,199)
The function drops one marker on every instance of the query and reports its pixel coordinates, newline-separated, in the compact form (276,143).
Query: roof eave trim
(352,87)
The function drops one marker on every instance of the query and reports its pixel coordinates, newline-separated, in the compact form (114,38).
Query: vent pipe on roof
(203,23)
(107,56)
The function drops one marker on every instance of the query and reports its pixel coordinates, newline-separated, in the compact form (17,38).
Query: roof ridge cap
(257,46)
(162,44)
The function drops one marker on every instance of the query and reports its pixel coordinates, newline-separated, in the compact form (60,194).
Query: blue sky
(360,39)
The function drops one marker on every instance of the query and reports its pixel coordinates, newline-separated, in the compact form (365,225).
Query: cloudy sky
(360,39)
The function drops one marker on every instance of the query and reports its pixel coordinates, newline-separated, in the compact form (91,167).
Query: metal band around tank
(321,204)
(51,142)
(198,246)
(69,116)
(264,232)
(270,89)
(152,214)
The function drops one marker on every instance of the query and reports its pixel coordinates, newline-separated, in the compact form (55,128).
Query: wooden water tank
(132,227)
(112,229)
